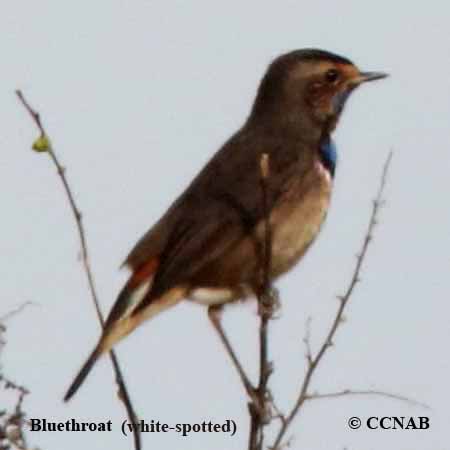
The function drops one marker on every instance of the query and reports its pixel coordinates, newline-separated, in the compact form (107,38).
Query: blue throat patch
(328,155)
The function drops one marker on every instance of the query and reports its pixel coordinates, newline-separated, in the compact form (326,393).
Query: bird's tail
(83,373)
(123,320)
(117,326)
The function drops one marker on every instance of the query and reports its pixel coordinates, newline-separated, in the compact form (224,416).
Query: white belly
(211,296)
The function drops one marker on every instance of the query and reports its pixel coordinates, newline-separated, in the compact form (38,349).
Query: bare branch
(367,392)
(15,311)
(307,341)
(123,393)
(12,421)
(314,361)
(261,414)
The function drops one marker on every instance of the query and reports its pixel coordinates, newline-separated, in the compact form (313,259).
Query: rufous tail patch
(143,273)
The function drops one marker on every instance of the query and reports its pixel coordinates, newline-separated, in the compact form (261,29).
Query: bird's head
(308,89)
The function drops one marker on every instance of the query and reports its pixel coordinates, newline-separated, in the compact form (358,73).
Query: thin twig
(123,393)
(9,384)
(367,392)
(260,414)
(307,340)
(15,311)
(11,427)
(314,361)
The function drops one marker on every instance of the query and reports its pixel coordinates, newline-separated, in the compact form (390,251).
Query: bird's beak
(362,77)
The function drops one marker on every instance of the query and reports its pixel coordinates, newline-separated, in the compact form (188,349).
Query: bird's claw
(260,406)
(269,302)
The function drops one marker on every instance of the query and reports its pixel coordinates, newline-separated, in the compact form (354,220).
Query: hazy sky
(136,97)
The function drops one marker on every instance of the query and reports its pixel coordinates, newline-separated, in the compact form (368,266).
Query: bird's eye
(332,75)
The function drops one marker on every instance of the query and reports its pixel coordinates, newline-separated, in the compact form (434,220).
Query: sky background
(136,97)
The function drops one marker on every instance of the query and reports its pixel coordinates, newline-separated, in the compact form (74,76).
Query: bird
(206,247)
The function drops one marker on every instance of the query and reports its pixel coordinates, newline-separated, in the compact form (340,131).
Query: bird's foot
(260,405)
(269,302)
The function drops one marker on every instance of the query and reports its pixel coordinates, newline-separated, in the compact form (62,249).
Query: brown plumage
(206,247)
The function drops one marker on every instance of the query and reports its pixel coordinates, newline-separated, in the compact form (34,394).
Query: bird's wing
(196,241)
(223,204)
(190,222)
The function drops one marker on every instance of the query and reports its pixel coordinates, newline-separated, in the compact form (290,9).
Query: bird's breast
(298,216)
(295,220)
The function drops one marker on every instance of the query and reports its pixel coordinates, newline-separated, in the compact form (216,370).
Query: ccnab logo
(398,423)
